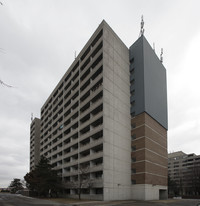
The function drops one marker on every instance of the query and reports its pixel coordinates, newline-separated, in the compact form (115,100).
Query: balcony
(71,94)
(91,120)
(58,158)
(71,143)
(92,106)
(91,144)
(91,50)
(89,87)
(96,168)
(91,62)
(92,95)
(70,154)
(91,132)
(91,157)
(97,182)
(92,72)
(69,164)
(71,85)
(68,174)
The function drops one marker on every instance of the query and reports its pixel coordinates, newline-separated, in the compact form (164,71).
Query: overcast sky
(38,40)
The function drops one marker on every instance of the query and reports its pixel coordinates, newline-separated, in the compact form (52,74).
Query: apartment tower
(34,143)
(109,113)
(184,169)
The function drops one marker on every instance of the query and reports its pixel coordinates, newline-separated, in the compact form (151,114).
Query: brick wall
(149,153)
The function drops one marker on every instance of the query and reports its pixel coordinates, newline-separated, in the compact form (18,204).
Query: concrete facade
(116,100)
(86,121)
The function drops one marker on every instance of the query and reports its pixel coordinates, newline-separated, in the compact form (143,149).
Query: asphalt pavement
(7,199)
(19,200)
(169,202)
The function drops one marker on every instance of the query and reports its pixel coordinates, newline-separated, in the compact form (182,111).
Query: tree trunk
(79,194)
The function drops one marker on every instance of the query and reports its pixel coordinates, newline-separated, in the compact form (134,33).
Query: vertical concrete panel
(117,141)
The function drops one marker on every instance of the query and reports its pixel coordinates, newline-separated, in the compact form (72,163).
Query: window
(132,60)
(133,171)
(133,136)
(132,81)
(133,159)
(132,71)
(99,190)
(133,125)
(133,148)
(61,127)
(133,182)
(132,114)
(133,93)
(131,68)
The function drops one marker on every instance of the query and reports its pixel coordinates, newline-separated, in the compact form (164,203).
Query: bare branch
(4,84)
(2,50)
(82,181)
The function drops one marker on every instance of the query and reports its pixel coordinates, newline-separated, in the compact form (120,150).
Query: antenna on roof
(142,26)
(75,55)
(161,55)
(31,117)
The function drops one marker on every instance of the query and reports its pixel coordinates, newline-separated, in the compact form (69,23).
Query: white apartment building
(86,122)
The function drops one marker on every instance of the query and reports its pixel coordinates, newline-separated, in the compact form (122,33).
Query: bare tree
(172,187)
(83,180)
(195,179)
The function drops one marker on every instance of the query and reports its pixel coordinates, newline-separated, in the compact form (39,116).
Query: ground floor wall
(117,193)
(86,196)
(134,192)
(148,192)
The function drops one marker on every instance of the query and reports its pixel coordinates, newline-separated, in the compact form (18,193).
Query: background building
(184,169)
(108,117)
(34,143)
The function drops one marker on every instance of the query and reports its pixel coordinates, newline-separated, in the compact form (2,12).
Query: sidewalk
(76,202)
(169,202)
